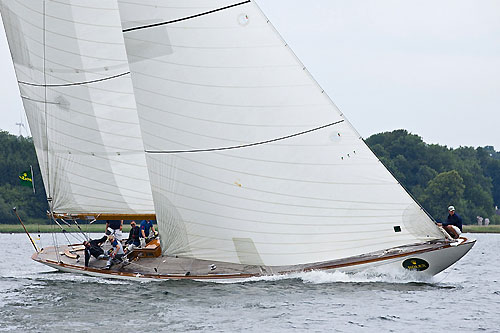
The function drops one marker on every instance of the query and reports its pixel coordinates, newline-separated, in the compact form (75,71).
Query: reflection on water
(34,297)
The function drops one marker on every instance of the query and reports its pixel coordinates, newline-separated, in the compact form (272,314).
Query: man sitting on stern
(453,224)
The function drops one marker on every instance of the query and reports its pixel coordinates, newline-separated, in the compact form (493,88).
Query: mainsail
(73,74)
(250,161)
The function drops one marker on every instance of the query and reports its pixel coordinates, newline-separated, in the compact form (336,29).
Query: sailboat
(199,115)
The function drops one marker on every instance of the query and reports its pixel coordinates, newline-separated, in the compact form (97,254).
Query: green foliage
(16,155)
(447,188)
(438,176)
(491,165)
(491,152)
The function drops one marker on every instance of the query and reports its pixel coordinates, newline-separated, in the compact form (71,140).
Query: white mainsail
(250,161)
(73,74)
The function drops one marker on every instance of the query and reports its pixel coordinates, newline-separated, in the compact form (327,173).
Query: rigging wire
(54,239)
(86,236)
(60,226)
(76,236)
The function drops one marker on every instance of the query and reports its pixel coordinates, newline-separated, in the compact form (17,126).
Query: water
(464,298)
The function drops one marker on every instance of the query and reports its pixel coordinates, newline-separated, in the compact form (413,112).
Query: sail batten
(243,145)
(185,18)
(72,83)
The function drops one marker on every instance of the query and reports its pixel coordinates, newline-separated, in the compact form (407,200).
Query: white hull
(438,261)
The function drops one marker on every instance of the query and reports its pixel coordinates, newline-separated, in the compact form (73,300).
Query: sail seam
(280,194)
(288,205)
(242,146)
(185,18)
(74,83)
(282,203)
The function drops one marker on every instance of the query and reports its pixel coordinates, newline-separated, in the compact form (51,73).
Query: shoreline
(482,229)
(96,228)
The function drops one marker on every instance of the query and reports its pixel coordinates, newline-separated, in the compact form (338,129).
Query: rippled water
(33,297)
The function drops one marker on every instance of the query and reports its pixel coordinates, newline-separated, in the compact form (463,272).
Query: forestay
(74,79)
(250,161)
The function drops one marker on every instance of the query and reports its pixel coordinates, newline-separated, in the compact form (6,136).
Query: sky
(431,67)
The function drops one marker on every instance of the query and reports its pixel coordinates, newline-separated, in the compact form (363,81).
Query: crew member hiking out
(453,224)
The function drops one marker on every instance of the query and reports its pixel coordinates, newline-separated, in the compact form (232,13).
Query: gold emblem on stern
(415,264)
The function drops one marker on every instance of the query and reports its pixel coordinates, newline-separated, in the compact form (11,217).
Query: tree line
(437,176)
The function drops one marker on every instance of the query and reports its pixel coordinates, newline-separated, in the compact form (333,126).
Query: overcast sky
(431,67)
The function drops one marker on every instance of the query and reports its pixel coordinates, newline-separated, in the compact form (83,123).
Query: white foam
(322,277)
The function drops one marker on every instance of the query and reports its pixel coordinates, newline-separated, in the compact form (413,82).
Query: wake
(366,276)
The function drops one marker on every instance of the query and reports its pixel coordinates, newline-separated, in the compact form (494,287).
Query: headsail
(250,161)
(73,74)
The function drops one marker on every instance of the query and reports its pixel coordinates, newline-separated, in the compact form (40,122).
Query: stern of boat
(440,259)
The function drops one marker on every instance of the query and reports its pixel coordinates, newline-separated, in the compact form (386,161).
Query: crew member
(114,227)
(146,225)
(453,224)
(116,253)
(133,237)
(93,248)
